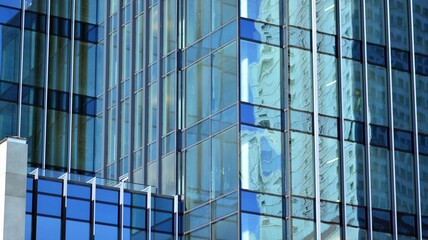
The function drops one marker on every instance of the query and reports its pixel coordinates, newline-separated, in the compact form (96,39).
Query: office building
(270,119)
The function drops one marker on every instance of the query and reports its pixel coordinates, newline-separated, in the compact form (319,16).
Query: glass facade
(272,119)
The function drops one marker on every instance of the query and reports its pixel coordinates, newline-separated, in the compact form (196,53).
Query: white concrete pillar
(13,177)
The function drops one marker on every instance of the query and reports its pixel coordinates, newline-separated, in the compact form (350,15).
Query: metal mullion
(70,110)
(46,90)
(145,88)
(366,124)
(119,86)
(238,113)
(391,120)
(107,43)
(415,122)
(316,124)
(160,94)
(21,66)
(341,119)
(132,93)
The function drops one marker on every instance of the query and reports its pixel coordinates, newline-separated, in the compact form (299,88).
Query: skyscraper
(269,118)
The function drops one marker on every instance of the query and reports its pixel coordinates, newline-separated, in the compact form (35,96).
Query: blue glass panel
(328,126)
(225,228)
(403,140)
(356,216)
(134,234)
(376,54)
(8,91)
(10,16)
(261,203)
(406,224)
(400,59)
(77,230)
(11,3)
(262,32)
(198,50)
(103,232)
(300,37)
(301,121)
(351,49)
(262,10)
(106,213)
(379,136)
(361,234)
(47,186)
(35,21)
(302,207)
(260,116)
(78,191)
(162,221)
(421,64)
(330,231)
(107,195)
(30,181)
(382,220)
(423,144)
(425,227)
(303,229)
(354,131)
(29,202)
(139,200)
(50,205)
(161,203)
(48,228)
(78,209)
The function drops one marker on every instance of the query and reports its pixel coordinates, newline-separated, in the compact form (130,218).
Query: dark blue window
(77,230)
(379,136)
(376,54)
(107,195)
(10,16)
(381,220)
(49,205)
(400,59)
(78,209)
(46,186)
(165,204)
(403,140)
(79,191)
(406,224)
(104,232)
(106,213)
(162,221)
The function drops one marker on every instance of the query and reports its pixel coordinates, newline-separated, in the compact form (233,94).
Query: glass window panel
(330,212)
(303,229)
(327,85)
(382,220)
(329,169)
(152,173)
(77,230)
(261,159)
(106,213)
(224,162)
(10,48)
(223,119)
(301,121)
(351,13)
(326,16)
(299,13)
(198,168)
(83,140)
(377,95)
(420,21)
(224,206)
(300,82)
(422,103)
(197,86)
(423,168)
(197,217)
(302,164)
(198,50)
(302,207)
(107,195)
(198,20)
(375,15)
(328,126)
(330,231)
(224,77)
(354,131)
(153,33)
(262,10)
(261,32)
(406,224)
(200,234)
(169,112)
(261,203)
(326,43)
(262,117)
(152,113)
(139,43)
(361,234)
(261,227)
(225,229)
(260,74)
(198,132)
(169,175)
(379,136)
(351,49)
(162,221)
(48,228)
(399,16)
(104,232)
(170,26)
(299,37)
(402,98)
(352,90)
(355,173)
(405,182)
(222,12)
(400,59)
(32,122)
(57,138)
(380,177)
(356,216)
(138,120)
(223,35)
(48,186)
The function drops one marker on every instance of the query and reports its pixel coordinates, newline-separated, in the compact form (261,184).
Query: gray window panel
(351,18)
(299,13)
(326,16)
(302,164)
(303,229)
(261,10)
(300,82)
(261,227)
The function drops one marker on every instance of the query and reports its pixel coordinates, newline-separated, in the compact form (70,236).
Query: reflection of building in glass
(268,119)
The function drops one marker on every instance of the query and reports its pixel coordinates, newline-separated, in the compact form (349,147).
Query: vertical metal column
(93,182)
(176,217)
(119,50)
(316,125)
(106,85)
(132,111)
(46,90)
(70,110)
(21,66)
(145,87)
(391,121)
(149,212)
(415,121)
(366,122)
